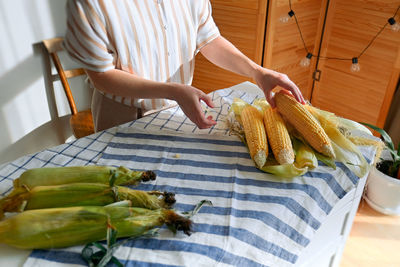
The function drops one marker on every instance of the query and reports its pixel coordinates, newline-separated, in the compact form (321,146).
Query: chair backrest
(81,121)
(53,46)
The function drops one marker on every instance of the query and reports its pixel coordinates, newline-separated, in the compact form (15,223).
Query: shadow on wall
(32,74)
(55,131)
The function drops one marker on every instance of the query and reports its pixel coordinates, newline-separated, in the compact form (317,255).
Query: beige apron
(108,113)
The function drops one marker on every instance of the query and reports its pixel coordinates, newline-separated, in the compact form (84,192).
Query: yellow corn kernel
(256,137)
(278,136)
(304,122)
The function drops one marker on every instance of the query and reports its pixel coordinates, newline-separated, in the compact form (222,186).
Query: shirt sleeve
(207,29)
(86,39)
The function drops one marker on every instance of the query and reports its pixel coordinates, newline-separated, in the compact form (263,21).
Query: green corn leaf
(99,246)
(111,236)
(101,257)
(123,203)
(190,214)
(97,257)
(327,160)
(114,190)
(113,177)
(87,253)
(115,245)
(104,255)
(285,170)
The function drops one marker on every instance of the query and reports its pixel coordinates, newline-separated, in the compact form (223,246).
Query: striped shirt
(154,39)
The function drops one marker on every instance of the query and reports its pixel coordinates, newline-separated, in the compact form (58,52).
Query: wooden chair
(81,121)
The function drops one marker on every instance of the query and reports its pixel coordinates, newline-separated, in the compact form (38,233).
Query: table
(256,219)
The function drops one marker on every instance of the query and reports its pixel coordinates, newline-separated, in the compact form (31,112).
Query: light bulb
(286,18)
(305,61)
(355,67)
(394,25)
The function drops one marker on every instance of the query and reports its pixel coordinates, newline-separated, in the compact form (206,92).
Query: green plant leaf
(398,150)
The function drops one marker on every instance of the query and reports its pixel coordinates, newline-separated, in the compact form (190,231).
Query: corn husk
(64,227)
(305,160)
(81,194)
(346,151)
(82,174)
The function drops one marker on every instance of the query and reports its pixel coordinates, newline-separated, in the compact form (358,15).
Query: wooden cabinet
(330,28)
(365,95)
(243,24)
(338,29)
(284,48)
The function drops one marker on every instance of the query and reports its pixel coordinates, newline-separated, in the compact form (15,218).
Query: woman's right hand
(189,99)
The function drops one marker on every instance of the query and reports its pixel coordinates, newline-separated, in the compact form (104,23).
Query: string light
(394,25)
(305,61)
(286,17)
(355,66)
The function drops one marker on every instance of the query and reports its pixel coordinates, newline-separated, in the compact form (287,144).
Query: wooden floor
(374,240)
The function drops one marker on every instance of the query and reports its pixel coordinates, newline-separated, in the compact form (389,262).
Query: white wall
(30,120)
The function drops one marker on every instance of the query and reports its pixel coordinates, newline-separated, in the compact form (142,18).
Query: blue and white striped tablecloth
(256,219)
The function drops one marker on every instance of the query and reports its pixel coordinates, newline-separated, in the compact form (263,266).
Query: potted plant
(383,184)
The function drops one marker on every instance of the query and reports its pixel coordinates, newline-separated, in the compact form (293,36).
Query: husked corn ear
(64,227)
(256,137)
(304,122)
(82,174)
(81,194)
(278,136)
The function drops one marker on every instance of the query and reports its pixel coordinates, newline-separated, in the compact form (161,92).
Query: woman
(139,54)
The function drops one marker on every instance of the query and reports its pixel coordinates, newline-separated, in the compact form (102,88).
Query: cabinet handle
(317,75)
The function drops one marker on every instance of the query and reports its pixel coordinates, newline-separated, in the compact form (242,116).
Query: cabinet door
(242,22)
(365,95)
(284,48)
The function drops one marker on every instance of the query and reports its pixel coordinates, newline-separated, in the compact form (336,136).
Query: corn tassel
(278,136)
(81,194)
(64,227)
(304,122)
(82,174)
(256,137)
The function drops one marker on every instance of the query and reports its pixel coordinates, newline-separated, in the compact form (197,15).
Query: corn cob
(278,136)
(81,194)
(256,137)
(82,174)
(305,123)
(64,227)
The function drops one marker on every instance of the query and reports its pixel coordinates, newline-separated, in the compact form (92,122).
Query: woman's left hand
(268,79)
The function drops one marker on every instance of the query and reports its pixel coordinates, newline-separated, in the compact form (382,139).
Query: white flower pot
(383,193)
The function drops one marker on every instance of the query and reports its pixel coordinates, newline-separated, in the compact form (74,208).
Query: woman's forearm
(124,84)
(225,55)
(121,83)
